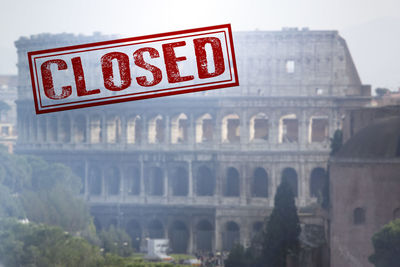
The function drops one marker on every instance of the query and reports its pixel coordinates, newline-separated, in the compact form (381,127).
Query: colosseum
(202,169)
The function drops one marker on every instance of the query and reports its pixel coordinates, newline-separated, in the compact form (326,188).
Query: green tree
(30,244)
(386,244)
(116,241)
(281,237)
(336,142)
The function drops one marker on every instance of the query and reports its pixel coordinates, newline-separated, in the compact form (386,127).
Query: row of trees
(43,222)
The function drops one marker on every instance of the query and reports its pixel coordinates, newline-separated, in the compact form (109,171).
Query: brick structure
(365,185)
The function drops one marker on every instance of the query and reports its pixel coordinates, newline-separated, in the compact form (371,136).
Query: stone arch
(113,179)
(134,130)
(134,230)
(260,183)
(96,129)
(179,129)
(53,129)
(156,130)
(79,129)
(231,235)
(318,129)
(95,181)
(318,180)
(359,216)
(132,175)
(178,237)
(204,129)
(231,129)
(232,183)
(259,129)
(65,133)
(155,229)
(114,130)
(205,182)
(289,175)
(204,235)
(155,185)
(288,129)
(396,214)
(179,182)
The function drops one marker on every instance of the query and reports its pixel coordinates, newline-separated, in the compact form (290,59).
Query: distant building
(8,119)
(202,169)
(364,184)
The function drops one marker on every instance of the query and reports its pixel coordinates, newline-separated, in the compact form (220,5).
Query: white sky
(371,27)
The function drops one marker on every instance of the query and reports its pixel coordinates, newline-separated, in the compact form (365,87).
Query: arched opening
(231,129)
(205,182)
(95,181)
(113,130)
(288,129)
(134,230)
(232,184)
(53,129)
(289,175)
(259,127)
(260,183)
(204,236)
(179,182)
(359,216)
(79,129)
(178,237)
(231,235)
(156,130)
(95,129)
(179,129)
(156,182)
(65,134)
(318,129)
(318,181)
(133,181)
(155,229)
(113,179)
(204,129)
(134,129)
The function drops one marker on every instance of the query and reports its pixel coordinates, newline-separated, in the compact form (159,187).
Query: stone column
(218,235)
(190,184)
(123,130)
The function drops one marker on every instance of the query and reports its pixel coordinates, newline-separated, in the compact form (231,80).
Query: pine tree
(281,237)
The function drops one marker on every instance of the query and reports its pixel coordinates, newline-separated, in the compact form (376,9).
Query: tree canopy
(281,237)
(386,244)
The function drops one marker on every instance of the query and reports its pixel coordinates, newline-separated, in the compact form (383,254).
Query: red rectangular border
(133,97)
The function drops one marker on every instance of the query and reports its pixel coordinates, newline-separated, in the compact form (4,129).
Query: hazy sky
(371,27)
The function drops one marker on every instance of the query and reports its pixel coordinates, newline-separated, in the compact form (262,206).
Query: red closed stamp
(133,68)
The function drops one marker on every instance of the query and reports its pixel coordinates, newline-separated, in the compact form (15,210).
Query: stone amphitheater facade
(202,169)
